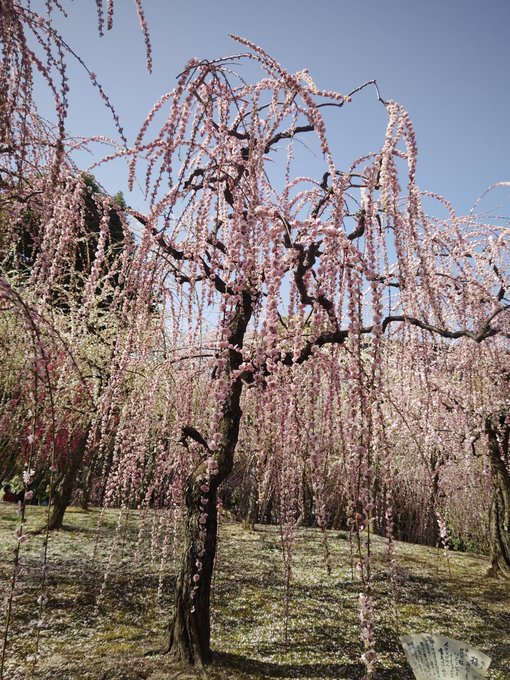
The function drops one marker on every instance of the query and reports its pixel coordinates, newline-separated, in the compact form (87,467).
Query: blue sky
(446,61)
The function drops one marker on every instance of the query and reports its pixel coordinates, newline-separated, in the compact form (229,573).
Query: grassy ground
(83,640)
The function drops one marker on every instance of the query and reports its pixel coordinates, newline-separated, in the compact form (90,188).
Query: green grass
(82,639)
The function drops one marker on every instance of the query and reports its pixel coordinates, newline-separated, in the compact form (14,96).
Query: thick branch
(486,330)
(168,249)
(288,134)
(189,432)
(338,337)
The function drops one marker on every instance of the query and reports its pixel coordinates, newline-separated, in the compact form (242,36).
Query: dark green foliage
(20,255)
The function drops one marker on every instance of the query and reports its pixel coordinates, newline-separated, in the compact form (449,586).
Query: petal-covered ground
(103,611)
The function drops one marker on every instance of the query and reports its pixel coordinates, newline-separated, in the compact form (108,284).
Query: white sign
(435,657)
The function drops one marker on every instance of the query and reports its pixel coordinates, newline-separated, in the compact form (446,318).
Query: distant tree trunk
(431,529)
(8,461)
(308,516)
(87,486)
(62,491)
(499,519)
(251,513)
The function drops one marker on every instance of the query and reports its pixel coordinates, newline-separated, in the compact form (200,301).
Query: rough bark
(190,625)
(499,519)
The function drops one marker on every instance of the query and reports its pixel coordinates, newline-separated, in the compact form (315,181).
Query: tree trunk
(499,519)
(58,507)
(8,461)
(431,528)
(87,486)
(190,625)
(252,511)
(63,491)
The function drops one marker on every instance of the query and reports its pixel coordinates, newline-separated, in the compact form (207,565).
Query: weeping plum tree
(304,268)
(475,394)
(299,270)
(67,292)
(497,432)
(435,402)
(45,395)
(62,247)
(459,377)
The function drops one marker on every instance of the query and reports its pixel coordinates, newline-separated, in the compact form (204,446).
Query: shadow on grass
(235,663)
(65,529)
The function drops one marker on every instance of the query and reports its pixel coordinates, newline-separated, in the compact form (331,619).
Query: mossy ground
(83,640)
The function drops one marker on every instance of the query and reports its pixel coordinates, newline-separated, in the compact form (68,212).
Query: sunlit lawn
(99,629)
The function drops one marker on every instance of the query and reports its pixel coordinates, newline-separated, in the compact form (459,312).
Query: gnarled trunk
(190,627)
(499,520)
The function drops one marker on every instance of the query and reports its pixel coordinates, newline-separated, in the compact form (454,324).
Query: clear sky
(446,61)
